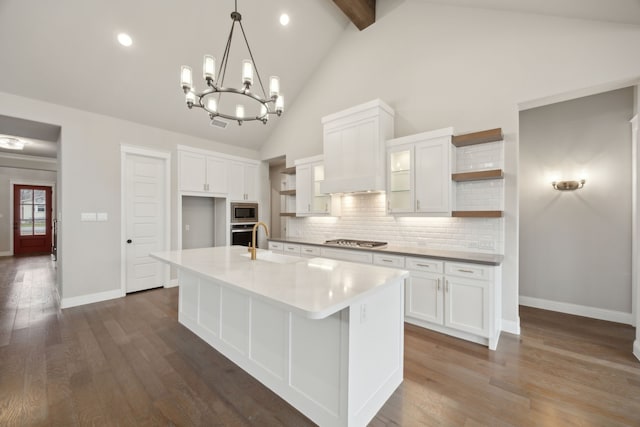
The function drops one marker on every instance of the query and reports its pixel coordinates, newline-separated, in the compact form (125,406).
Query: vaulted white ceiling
(65,51)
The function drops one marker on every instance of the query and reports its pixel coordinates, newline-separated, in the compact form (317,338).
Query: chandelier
(210,99)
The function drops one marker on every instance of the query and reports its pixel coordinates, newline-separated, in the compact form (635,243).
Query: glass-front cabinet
(400,177)
(319,202)
(309,200)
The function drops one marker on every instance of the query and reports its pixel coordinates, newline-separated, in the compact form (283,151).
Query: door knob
(129,240)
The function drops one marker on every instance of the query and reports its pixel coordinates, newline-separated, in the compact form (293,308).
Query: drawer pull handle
(464,271)
(424,265)
(387,260)
(438,284)
(446,283)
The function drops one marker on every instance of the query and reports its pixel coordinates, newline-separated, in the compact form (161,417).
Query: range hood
(354,148)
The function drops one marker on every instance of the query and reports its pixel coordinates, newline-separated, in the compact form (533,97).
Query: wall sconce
(568,185)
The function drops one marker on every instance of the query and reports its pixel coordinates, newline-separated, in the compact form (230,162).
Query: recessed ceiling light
(125,39)
(11,143)
(284,19)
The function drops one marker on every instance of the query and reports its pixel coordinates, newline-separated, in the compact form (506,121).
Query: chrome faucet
(253,246)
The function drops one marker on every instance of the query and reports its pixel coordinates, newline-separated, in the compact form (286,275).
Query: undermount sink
(273,257)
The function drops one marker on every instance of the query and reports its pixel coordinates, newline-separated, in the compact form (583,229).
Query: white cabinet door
(319,202)
(251,182)
(400,179)
(192,172)
(236,181)
(243,181)
(424,297)
(303,190)
(467,305)
(309,251)
(433,176)
(217,175)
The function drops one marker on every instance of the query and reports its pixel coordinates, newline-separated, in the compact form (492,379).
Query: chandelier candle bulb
(247,72)
(240,111)
(209,67)
(274,86)
(280,104)
(186,78)
(191,98)
(212,104)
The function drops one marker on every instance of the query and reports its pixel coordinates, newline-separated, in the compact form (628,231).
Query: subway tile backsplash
(364,217)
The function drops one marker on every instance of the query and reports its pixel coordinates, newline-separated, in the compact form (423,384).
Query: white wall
(8,174)
(575,247)
(441,66)
(89,181)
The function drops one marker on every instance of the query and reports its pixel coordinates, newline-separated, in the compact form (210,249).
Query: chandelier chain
(264,93)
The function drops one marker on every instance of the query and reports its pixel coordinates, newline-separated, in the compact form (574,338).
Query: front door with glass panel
(31,219)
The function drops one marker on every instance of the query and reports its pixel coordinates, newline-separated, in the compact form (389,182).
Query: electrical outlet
(473,245)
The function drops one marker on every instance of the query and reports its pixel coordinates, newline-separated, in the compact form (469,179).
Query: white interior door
(144,203)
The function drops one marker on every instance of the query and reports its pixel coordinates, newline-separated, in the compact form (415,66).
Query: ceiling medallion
(211,99)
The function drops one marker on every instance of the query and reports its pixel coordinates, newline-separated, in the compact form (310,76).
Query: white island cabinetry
(325,335)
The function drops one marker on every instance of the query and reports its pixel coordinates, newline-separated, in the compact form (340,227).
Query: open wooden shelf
(289,171)
(477,214)
(478,176)
(288,192)
(481,137)
(287,214)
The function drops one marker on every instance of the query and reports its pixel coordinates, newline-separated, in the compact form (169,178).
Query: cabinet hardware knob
(129,240)
(418,205)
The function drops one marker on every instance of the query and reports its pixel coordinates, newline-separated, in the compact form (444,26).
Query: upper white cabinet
(205,172)
(243,181)
(354,148)
(310,201)
(419,173)
(202,173)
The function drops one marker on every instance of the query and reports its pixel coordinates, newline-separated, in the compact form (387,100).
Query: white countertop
(472,257)
(314,288)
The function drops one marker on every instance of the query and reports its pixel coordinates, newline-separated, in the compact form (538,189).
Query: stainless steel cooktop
(355,243)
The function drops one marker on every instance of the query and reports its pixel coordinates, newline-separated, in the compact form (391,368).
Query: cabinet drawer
(388,260)
(310,251)
(472,271)
(276,246)
(423,264)
(290,248)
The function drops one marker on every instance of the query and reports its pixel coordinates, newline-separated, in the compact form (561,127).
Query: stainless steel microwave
(244,212)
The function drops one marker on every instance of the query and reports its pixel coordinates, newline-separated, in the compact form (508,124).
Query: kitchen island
(325,335)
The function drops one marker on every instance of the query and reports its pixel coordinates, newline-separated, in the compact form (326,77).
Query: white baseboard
(636,348)
(511,327)
(6,253)
(91,298)
(578,310)
(171,283)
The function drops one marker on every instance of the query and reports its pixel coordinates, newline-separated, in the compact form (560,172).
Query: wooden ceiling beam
(361,12)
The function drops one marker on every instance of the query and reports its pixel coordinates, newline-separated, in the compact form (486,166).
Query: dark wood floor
(128,362)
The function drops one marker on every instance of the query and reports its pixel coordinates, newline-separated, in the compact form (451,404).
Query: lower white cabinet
(458,299)
(347,255)
(309,251)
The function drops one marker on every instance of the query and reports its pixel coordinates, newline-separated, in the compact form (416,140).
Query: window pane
(40,196)
(26,196)
(26,228)
(39,227)
(40,211)
(26,212)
